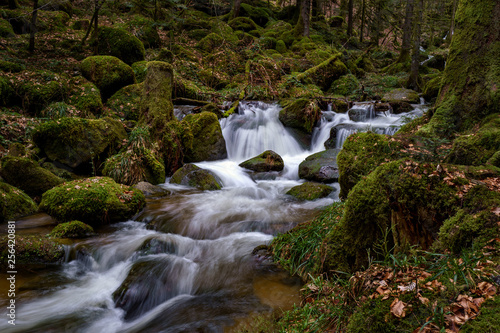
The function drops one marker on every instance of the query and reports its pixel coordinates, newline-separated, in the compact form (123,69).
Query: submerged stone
(267,161)
(320,167)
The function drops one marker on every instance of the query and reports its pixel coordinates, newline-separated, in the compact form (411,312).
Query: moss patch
(301,114)
(121,44)
(14,203)
(33,250)
(208,143)
(191,175)
(73,229)
(310,191)
(126,102)
(267,161)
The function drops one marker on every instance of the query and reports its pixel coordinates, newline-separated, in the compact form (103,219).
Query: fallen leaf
(398,308)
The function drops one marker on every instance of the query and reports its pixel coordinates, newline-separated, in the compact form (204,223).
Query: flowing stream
(185,264)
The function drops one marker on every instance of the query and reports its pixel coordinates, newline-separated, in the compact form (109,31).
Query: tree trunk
(363,21)
(415,60)
(96,27)
(452,27)
(236,8)
(305,12)
(470,86)
(404,55)
(31,47)
(350,9)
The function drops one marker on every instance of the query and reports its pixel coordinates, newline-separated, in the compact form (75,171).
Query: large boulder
(33,249)
(27,175)
(401,95)
(194,176)
(208,142)
(85,96)
(78,143)
(108,73)
(14,203)
(94,201)
(72,229)
(301,114)
(121,44)
(126,102)
(310,191)
(320,167)
(267,161)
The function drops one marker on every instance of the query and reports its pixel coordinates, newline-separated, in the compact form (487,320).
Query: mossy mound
(267,161)
(145,30)
(477,146)
(320,167)
(121,44)
(126,102)
(346,85)
(213,108)
(361,154)
(11,67)
(431,88)
(85,96)
(325,73)
(6,30)
(27,175)
(14,203)
(140,69)
(401,95)
(259,15)
(94,201)
(134,165)
(108,73)
(301,114)
(177,138)
(310,191)
(73,229)
(33,250)
(208,142)
(191,175)
(243,23)
(281,46)
(79,143)
(60,109)
(210,43)
(7,92)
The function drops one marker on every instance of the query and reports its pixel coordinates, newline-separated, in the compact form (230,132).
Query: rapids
(185,263)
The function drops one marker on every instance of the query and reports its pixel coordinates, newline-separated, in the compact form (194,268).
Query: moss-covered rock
(81,24)
(346,85)
(121,44)
(156,102)
(210,43)
(267,161)
(325,73)
(108,73)
(7,92)
(60,109)
(6,30)
(191,175)
(140,68)
(401,95)
(33,250)
(27,175)
(72,229)
(151,190)
(59,172)
(126,102)
(361,154)
(135,165)
(259,15)
(301,114)
(431,88)
(56,5)
(243,23)
(85,96)
(144,29)
(213,108)
(477,146)
(79,143)
(11,67)
(310,191)
(14,203)
(177,139)
(320,167)
(281,46)
(208,142)
(94,201)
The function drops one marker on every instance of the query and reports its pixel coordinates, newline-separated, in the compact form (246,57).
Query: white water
(205,269)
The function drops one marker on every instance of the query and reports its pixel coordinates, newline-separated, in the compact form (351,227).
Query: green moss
(177,139)
(301,114)
(140,69)
(119,43)
(210,43)
(223,29)
(495,159)
(6,30)
(325,73)
(243,23)
(260,15)
(60,109)
(267,161)
(310,191)
(27,175)
(11,67)
(7,93)
(281,47)
(477,146)
(94,201)
(73,229)
(401,95)
(108,73)
(52,20)
(346,85)
(33,250)
(320,167)
(126,101)
(85,96)
(431,88)
(487,321)
(78,142)
(14,203)
(191,175)
(208,143)
(135,165)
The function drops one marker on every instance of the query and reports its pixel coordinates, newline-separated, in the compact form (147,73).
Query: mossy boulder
(191,175)
(431,88)
(6,30)
(267,161)
(11,67)
(346,85)
(140,69)
(210,43)
(145,30)
(259,15)
(243,23)
(310,191)
(213,108)
(121,44)
(361,154)
(208,142)
(60,109)
(85,96)
(151,190)
(320,167)
(80,144)
(108,73)
(177,139)
(281,46)
(325,73)
(81,24)
(401,95)
(33,250)
(7,92)
(126,102)
(301,114)
(72,229)
(94,201)
(477,146)
(14,203)
(133,166)
(27,175)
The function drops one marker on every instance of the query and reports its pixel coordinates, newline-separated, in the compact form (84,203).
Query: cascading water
(185,264)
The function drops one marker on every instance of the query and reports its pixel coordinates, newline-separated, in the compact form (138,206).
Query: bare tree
(305,12)
(34,14)
(404,55)
(415,60)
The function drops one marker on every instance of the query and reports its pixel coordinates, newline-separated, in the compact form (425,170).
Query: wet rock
(267,161)
(301,114)
(191,175)
(27,175)
(401,95)
(151,190)
(14,203)
(73,229)
(208,142)
(33,249)
(95,201)
(156,246)
(310,191)
(320,167)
